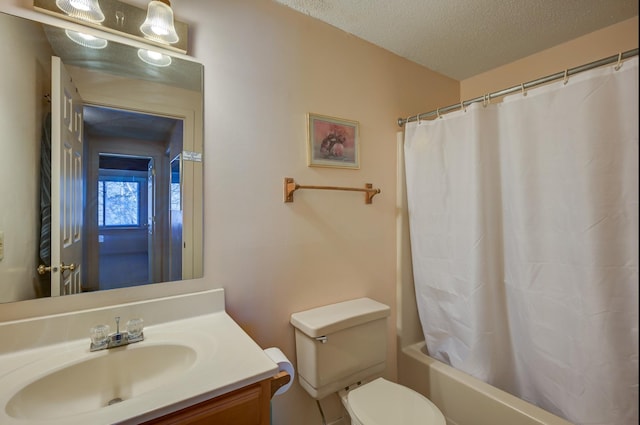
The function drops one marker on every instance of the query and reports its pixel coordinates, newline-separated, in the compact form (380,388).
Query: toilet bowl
(342,345)
(382,402)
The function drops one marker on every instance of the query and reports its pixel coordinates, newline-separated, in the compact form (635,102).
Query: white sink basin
(181,362)
(106,378)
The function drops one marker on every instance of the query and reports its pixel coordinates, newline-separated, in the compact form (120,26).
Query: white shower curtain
(524,235)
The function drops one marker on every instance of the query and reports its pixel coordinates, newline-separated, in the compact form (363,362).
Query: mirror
(129,197)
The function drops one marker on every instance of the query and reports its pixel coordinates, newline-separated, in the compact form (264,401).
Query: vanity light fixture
(85,10)
(154,58)
(86,40)
(159,23)
(154,24)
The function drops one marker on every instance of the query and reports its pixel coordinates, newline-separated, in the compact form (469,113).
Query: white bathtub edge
(529,413)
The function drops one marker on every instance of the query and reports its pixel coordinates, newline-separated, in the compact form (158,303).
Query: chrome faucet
(101,339)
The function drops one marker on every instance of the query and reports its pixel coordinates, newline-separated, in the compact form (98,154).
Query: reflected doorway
(131,225)
(124,212)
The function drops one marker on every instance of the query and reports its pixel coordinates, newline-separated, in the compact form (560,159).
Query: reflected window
(122,191)
(175,188)
(119,202)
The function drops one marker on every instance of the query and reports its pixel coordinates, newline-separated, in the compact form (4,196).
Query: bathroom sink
(192,351)
(101,380)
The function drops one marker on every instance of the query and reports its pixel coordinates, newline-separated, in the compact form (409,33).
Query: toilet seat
(381,402)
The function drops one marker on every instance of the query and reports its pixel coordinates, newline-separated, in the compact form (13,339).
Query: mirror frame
(39,307)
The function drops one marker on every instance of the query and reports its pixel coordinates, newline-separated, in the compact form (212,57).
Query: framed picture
(332,142)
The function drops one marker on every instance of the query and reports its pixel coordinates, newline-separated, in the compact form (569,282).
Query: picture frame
(332,142)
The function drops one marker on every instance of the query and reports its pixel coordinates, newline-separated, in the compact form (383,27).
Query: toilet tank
(340,344)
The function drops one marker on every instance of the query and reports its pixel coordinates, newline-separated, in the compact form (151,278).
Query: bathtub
(463,399)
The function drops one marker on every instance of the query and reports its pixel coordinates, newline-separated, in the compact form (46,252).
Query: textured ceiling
(463,38)
(116,123)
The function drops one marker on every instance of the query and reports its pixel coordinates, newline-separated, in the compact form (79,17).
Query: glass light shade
(86,40)
(159,23)
(86,10)
(154,58)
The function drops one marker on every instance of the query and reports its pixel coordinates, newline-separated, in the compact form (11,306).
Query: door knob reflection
(42,269)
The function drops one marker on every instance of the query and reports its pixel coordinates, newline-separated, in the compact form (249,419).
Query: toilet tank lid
(331,318)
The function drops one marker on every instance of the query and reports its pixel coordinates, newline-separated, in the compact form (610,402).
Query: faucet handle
(99,336)
(134,329)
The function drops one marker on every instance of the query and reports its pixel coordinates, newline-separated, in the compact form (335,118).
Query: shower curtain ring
(418,118)
(462,108)
(619,65)
(485,100)
(438,112)
(566,77)
(524,92)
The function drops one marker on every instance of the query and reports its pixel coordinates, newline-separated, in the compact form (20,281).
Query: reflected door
(151,219)
(66,182)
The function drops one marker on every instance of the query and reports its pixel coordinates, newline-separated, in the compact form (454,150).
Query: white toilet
(343,348)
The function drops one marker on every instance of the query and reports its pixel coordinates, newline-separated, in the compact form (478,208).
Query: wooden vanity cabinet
(250,405)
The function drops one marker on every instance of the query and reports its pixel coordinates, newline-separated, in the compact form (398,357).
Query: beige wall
(591,47)
(266,66)
(20,160)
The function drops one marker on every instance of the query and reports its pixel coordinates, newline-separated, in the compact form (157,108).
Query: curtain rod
(487,97)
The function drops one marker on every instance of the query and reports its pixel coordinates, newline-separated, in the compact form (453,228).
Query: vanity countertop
(226,358)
